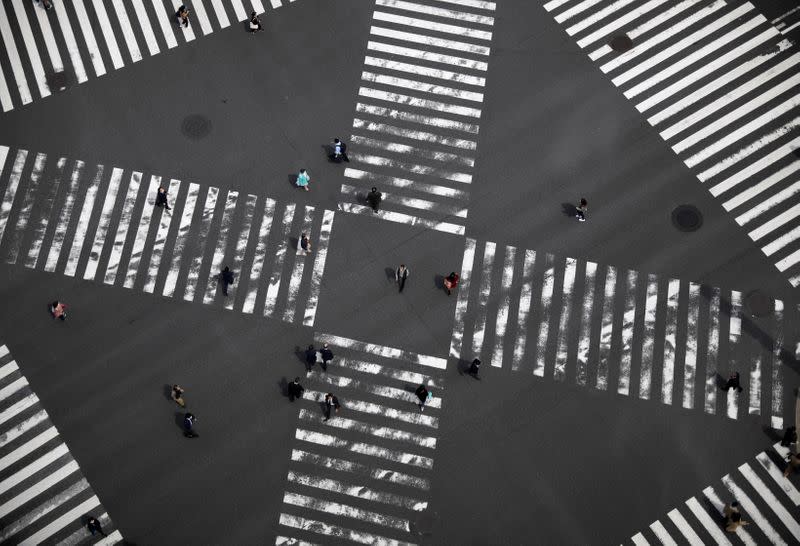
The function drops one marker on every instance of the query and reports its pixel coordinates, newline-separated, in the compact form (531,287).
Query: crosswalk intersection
(418,112)
(48,51)
(44,497)
(101,224)
(719,83)
(363,476)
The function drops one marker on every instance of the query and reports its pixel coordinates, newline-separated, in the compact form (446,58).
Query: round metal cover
(687,218)
(621,43)
(196,126)
(759,304)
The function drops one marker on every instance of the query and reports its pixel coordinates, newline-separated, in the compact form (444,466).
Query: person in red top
(451,281)
(58,310)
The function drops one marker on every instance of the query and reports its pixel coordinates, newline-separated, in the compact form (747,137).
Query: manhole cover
(621,43)
(687,218)
(759,304)
(196,126)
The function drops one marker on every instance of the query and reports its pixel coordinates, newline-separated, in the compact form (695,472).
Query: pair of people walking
(188,418)
(324,356)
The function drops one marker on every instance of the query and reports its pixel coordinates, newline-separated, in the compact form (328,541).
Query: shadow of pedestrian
(389,273)
(721,382)
(361,199)
(300,354)
(179,420)
(569,209)
(772,434)
(294,242)
(292,179)
(712,511)
(438,282)
(168,392)
(283,385)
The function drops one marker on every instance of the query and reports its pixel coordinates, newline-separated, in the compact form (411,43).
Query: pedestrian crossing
(417,117)
(365,475)
(788,22)
(628,332)
(767,501)
(44,497)
(101,224)
(719,83)
(47,51)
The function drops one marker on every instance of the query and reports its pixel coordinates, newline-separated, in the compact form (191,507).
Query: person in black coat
(474,367)
(422,393)
(733,382)
(295,389)
(226,278)
(311,357)
(188,426)
(374,199)
(331,403)
(327,356)
(401,275)
(161,198)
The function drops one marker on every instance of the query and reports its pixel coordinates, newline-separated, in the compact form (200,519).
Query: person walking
(311,357)
(226,278)
(339,151)
(474,368)
(188,425)
(451,282)
(793,460)
(177,395)
(58,310)
(295,389)
(327,356)
(331,403)
(305,243)
(94,526)
(374,199)
(46,4)
(303,179)
(183,16)
(161,198)
(733,518)
(733,382)
(789,437)
(401,275)
(255,23)
(424,395)
(580,210)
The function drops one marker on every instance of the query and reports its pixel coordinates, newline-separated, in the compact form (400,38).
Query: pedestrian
(451,281)
(331,403)
(46,4)
(374,199)
(474,368)
(339,151)
(794,461)
(226,278)
(401,275)
(305,243)
(303,179)
(789,437)
(183,16)
(295,389)
(94,526)
(424,395)
(733,518)
(311,357)
(58,310)
(161,198)
(327,356)
(255,23)
(580,210)
(177,395)
(188,425)
(733,382)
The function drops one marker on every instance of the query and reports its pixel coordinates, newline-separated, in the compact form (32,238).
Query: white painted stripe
(180,240)
(282,540)
(734,333)
(569,13)
(44,218)
(238,10)
(765,184)
(412,202)
(113,538)
(417,23)
(382,350)
(11,388)
(429,40)
(424,87)
(82,533)
(342,465)
(17,407)
(67,519)
(11,190)
(30,45)
(122,228)
(144,25)
(21,428)
(628,323)
(165,20)
(63,218)
(787,30)
(43,509)
(108,34)
(483,297)
(777,368)
(315,526)
(755,167)
(711,352)
(755,387)
(714,499)
(69,39)
(553,4)
(102,227)
(222,244)
(791,11)
(127,32)
(436,11)
(639,540)
(5,93)
(419,103)
(32,468)
(3,349)
(88,37)
(776,474)
(277,3)
(607,328)
(648,345)
(8,369)
(202,17)
(429,56)
(525,296)
(383,432)
(391,372)
(319,268)
(462,303)
(142,232)
(684,527)
(28,447)
(548,286)
(503,307)
(405,183)
(258,7)
(49,41)
(442,123)
(38,488)
(415,418)
(193,275)
(661,533)
(347,511)
(774,223)
(690,358)
(722,82)
(426,71)
(222,17)
(384,391)
(752,510)
(779,243)
(480,4)
(83,223)
(402,218)
(13,57)
(459,143)
(188,33)
(597,16)
(709,524)
(298,268)
(560,368)
(358,491)
(630,15)
(260,255)
(277,267)
(670,329)
(24,214)
(241,245)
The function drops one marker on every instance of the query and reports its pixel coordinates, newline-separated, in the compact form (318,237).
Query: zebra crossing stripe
(222,17)
(525,299)
(714,499)
(13,57)
(690,357)
(378,409)
(28,447)
(357,491)
(384,391)
(102,227)
(26,208)
(11,388)
(777,475)
(83,223)
(258,259)
(72,45)
(648,342)
(63,219)
(38,488)
(436,11)
(560,368)
(88,37)
(427,72)
(403,183)
(30,45)
(66,519)
(298,268)
(17,407)
(382,351)
(342,465)
(243,239)
(670,330)
(108,34)
(35,249)
(661,532)
(8,369)
(11,189)
(258,7)
(5,93)
(202,17)
(319,268)
(34,467)
(712,351)
(127,33)
(281,540)
(277,270)
(344,510)
(420,54)
(483,297)
(431,25)
(620,22)
(386,433)
(777,370)
(144,25)
(460,143)
(467,263)
(196,264)
(505,303)
(222,243)
(405,149)
(43,509)
(392,373)
(684,527)
(758,518)
(422,87)
(544,308)
(639,540)
(180,241)
(188,33)
(122,228)
(164,18)
(329,530)
(142,232)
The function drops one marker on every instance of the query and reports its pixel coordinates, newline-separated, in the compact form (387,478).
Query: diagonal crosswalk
(418,112)
(767,501)
(48,51)
(363,476)
(632,333)
(101,224)
(44,497)
(719,83)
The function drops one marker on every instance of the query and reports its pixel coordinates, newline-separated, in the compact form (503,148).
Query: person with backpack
(255,23)
(374,199)
(331,403)
(474,368)
(188,425)
(424,395)
(226,278)
(327,356)
(339,151)
(295,389)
